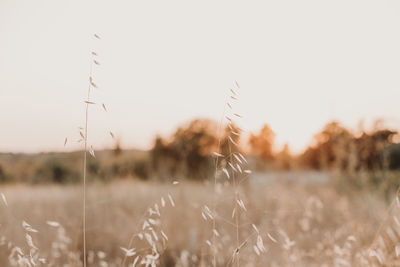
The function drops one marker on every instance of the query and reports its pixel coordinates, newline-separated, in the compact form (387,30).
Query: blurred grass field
(328,227)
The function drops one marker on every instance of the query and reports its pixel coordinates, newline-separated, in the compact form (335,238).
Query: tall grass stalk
(235,188)
(215,187)
(236,209)
(85,166)
(85,142)
(227,158)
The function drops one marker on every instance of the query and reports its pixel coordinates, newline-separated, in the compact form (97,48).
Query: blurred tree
(330,149)
(3,176)
(333,143)
(284,158)
(336,147)
(371,147)
(188,153)
(261,144)
(54,170)
(393,156)
(117,148)
(141,169)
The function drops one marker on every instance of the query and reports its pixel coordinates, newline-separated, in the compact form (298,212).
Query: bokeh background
(222,133)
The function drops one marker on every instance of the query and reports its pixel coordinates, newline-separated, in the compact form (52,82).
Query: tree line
(188,154)
(188,151)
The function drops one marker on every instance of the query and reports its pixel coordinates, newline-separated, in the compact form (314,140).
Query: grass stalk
(215,186)
(235,188)
(85,166)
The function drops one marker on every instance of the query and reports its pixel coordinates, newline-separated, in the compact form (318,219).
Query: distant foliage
(4,177)
(54,170)
(284,159)
(64,168)
(261,145)
(392,154)
(187,152)
(335,147)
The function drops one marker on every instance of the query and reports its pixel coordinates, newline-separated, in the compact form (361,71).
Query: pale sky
(299,64)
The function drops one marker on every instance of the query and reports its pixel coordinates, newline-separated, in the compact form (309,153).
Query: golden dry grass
(327,228)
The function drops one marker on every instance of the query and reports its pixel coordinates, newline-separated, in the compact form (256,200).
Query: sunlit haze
(164,63)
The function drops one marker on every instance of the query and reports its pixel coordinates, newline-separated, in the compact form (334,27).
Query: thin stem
(84,169)
(236,212)
(214,209)
(215,187)
(240,247)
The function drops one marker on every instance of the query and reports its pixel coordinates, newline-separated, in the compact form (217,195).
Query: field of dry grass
(300,225)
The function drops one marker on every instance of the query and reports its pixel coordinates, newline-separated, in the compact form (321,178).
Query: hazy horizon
(165,63)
